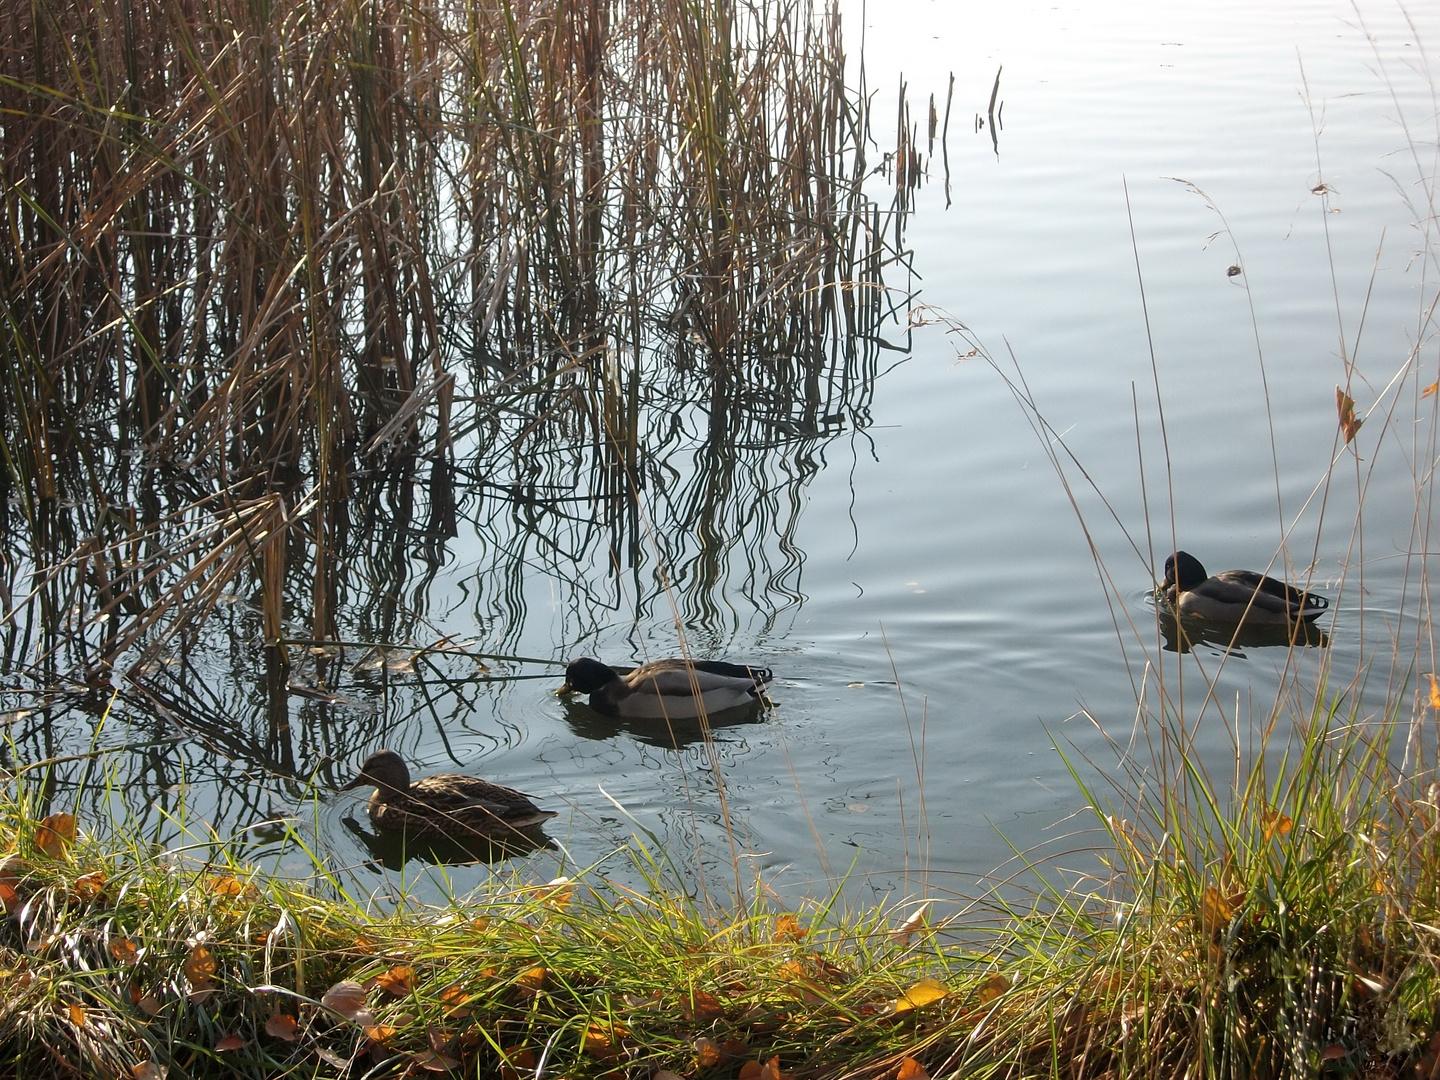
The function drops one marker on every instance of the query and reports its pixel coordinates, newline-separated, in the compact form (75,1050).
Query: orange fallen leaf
(707,1052)
(702,1008)
(455,998)
(124,951)
(788,928)
(910,1069)
(228,1043)
(200,967)
(9,898)
(89,886)
(396,981)
(992,988)
(771,1070)
(282,1026)
(379,1033)
(1277,824)
(1345,406)
(1434,692)
(150,1004)
(1332,1053)
(55,834)
(517,1062)
(751,1070)
(346,998)
(532,980)
(1216,910)
(76,1014)
(147,1070)
(1429,391)
(601,1038)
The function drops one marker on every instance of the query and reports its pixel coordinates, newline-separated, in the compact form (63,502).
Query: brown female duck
(447,804)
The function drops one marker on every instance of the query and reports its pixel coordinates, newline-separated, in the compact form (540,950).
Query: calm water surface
(934,614)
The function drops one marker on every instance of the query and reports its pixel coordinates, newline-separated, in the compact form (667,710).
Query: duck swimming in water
(1235,595)
(673,689)
(447,804)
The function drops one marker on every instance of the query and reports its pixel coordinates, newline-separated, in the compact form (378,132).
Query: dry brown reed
(259,252)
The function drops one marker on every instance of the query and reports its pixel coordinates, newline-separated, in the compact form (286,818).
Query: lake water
(923,588)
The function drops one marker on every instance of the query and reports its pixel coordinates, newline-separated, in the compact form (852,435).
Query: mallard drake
(447,804)
(672,689)
(1235,595)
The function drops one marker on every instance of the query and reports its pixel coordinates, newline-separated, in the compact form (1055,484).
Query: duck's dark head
(585,676)
(385,770)
(1184,571)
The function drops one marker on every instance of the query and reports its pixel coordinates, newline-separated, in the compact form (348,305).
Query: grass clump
(1290,935)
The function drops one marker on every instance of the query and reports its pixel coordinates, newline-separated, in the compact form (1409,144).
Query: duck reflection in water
(393,850)
(1182,633)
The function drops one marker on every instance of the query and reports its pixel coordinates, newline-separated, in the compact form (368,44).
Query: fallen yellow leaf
(910,1069)
(1434,692)
(921,993)
(77,1015)
(531,981)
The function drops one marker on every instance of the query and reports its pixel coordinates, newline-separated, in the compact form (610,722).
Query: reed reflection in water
(274,348)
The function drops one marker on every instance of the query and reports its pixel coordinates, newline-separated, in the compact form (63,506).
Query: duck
(1235,596)
(666,689)
(446,804)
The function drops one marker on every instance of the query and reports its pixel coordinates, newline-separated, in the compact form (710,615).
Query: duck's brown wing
(1274,595)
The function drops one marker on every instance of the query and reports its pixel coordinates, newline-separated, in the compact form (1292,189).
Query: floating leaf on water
(910,1069)
(396,981)
(921,993)
(282,1026)
(346,998)
(228,1043)
(55,834)
(913,925)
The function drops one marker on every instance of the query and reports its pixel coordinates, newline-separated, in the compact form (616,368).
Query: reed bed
(259,256)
